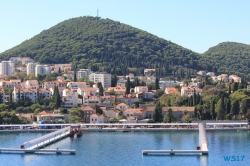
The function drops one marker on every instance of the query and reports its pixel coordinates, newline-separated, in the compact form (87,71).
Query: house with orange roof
(139,113)
(122,106)
(49,117)
(30,117)
(10,84)
(189,91)
(105,101)
(117,90)
(30,93)
(69,101)
(128,99)
(141,89)
(31,84)
(84,90)
(26,60)
(97,118)
(76,85)
(52,84)
(171,90)
(91,100)
(113,113)
(87,112)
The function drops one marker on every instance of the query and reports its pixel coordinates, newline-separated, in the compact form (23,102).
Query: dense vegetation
(104,45)
(107,45)
(227,57)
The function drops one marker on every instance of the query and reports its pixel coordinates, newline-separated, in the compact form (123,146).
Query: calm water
(118,148)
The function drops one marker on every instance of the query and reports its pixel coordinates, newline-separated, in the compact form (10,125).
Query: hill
(104,45)
(227,57)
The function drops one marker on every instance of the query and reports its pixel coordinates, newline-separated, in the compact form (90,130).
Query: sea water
(125,149)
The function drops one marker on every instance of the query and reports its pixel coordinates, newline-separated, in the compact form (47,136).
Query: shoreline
(129,129)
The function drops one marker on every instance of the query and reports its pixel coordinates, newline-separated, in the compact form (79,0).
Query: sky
(193,24)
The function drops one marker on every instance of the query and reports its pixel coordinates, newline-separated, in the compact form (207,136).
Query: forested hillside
(227,57)
(105,45)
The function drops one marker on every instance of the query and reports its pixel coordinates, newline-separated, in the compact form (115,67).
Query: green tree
(169,117)
(114,80)
(235,107)
(100,93)
(157,114)
(98,109)
(220,109)
(244,107)
(157,86)
(128,86)
(76,115)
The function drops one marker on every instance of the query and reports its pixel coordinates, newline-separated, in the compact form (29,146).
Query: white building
(31,68)
(7,68)
(166,84)
(141,89)
(42,69)
(10,83)
(83,73)
(76,85)
(97,118)
(104,78)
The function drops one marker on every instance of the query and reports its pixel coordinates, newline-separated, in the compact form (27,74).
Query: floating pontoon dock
(56,151)
(202,149)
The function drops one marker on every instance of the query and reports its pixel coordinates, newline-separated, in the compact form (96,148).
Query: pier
(47,139)
(201,149)
(35,145)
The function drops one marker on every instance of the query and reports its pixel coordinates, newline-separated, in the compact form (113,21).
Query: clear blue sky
(193,24)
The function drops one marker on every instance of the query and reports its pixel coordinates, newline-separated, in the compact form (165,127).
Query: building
(128,99)
(76,85)
(82,73)
(87,112)
(97,118)
(166,84)
(149,72)
(42,69)
(31,68)
(141,89)
(10,83)
(31,84)
(188,91)
(122,106)
(112,113)
(7,68)
(171,91)
(104,78)
(138,113)
(26,60)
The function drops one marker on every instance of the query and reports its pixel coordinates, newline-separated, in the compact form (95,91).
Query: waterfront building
(97,118)
(87,112)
